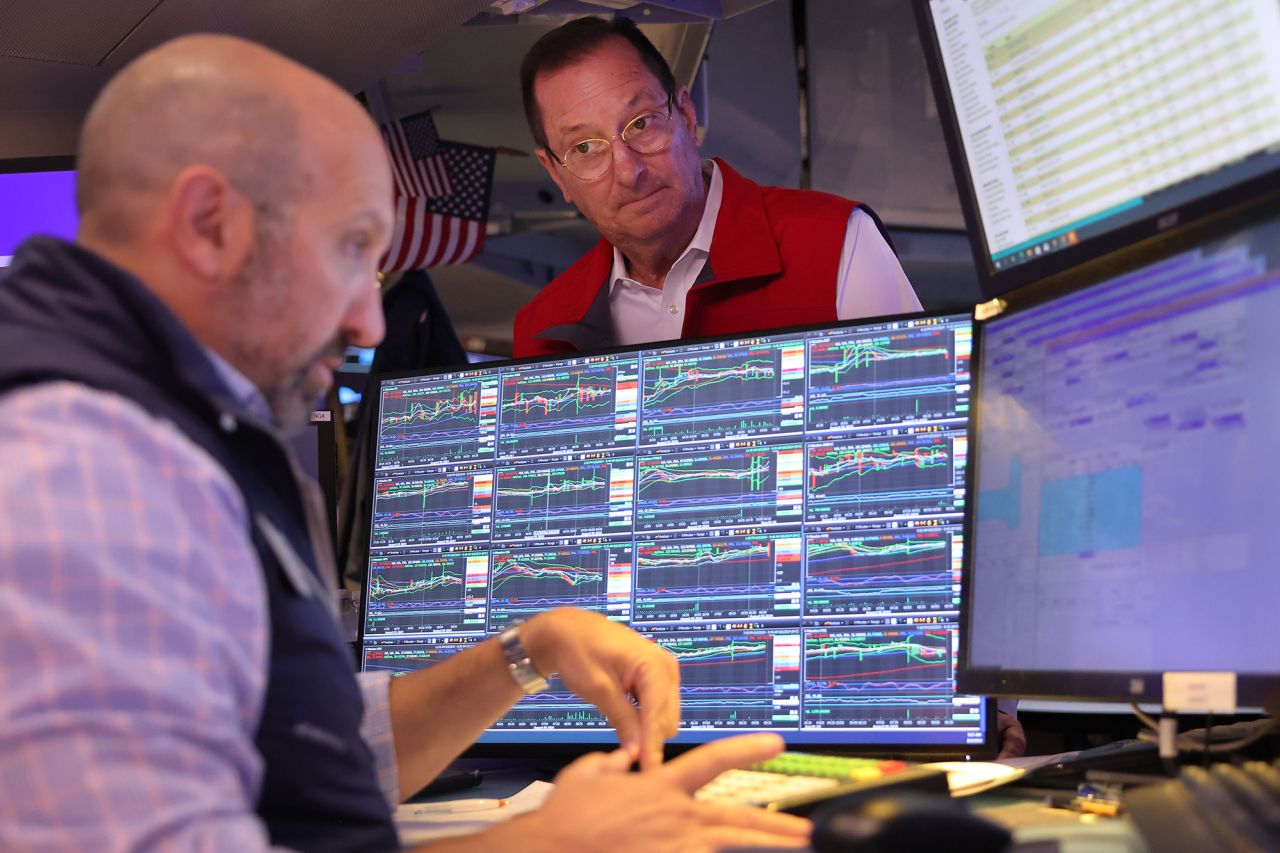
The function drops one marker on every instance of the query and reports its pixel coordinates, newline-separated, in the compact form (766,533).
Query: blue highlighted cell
(1091,513)
(1004,504)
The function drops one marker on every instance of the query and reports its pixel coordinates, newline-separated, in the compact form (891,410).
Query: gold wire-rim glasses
(662,142)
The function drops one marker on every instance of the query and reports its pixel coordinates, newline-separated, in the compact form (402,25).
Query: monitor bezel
(17,165)
(1252,689)
(1068,259)
(564,750)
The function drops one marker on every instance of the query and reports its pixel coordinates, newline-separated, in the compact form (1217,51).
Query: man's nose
(364,325)
(628,166)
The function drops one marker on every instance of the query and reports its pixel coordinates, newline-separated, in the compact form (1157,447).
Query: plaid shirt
(133,634)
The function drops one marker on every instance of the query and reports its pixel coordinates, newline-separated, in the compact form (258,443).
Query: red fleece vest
(774,259)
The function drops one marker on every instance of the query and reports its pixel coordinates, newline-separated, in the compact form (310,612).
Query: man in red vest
(688,247)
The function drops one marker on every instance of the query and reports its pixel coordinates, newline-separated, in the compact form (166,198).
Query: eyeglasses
(647,133)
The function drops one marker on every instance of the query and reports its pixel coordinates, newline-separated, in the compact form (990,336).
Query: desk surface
(1031,821)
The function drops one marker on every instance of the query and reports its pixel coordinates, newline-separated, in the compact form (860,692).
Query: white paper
(417,824)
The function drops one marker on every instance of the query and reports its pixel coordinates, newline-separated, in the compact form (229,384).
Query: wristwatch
(518,662)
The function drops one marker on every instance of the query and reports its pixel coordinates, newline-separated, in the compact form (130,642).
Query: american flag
(449,229)
(417,157)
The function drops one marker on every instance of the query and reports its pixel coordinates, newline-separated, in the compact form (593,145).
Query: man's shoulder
(572,291)
(782,204)
(787,203)
(79,427)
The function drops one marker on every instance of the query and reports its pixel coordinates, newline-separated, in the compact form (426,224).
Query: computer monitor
(782,511)
(1123,484)
(37,196)
(1078,127)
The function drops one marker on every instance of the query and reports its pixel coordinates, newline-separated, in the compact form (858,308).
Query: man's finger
(699,766)
(657,688)
(756,820)
(622,715)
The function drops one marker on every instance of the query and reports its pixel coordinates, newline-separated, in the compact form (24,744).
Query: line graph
(423,422)
(445,507)
(909,374)
(896,475)
(726,679)
(857,677)
(547,500)
(900,571)
(417,593)
(526,582)
(706,396)
(546,411)
(739,487)
(721,577)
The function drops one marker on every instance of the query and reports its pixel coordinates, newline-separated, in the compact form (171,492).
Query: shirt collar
(245,394)
(701,241)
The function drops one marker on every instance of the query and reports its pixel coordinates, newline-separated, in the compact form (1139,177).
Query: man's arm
(438,712)
(870,281)
(132,633)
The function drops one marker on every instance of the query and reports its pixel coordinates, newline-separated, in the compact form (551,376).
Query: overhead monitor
(781,511)
(1077,127)
(1124,488)
(37,196)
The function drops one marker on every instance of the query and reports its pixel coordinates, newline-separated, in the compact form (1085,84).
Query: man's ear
(553,169)
(684,106)
(210,223)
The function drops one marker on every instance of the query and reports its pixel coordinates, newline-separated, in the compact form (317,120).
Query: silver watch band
(518,662)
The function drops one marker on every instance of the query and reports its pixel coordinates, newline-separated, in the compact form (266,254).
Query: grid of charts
(781,512)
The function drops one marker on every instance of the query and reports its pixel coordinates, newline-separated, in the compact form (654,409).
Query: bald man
(173,677)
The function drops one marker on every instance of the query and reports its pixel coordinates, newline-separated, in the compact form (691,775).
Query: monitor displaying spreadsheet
(1072,119)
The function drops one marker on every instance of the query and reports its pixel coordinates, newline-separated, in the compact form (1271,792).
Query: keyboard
(1225,807)
(797,782)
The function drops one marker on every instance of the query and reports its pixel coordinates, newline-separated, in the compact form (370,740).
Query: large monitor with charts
(1077,127)
(781,511)
(1125,501)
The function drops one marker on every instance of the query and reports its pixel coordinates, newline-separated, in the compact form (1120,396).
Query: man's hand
(610,665)
(598,806)
(1013,740)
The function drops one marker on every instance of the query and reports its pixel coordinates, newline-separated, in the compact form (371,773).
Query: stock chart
(858,678)
(525,582)
(553,411)
(419,426)
(717,578)
(907,375)
(718,488)
(908,571)
(709,396)
(781,512)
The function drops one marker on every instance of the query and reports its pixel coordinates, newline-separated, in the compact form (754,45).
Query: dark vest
(773,263)
(67,314)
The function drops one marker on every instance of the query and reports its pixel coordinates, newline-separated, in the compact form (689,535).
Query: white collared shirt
(870,281)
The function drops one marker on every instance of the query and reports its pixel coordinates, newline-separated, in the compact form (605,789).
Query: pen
(456,806)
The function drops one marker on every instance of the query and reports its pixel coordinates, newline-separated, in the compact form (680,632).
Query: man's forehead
(597,91)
